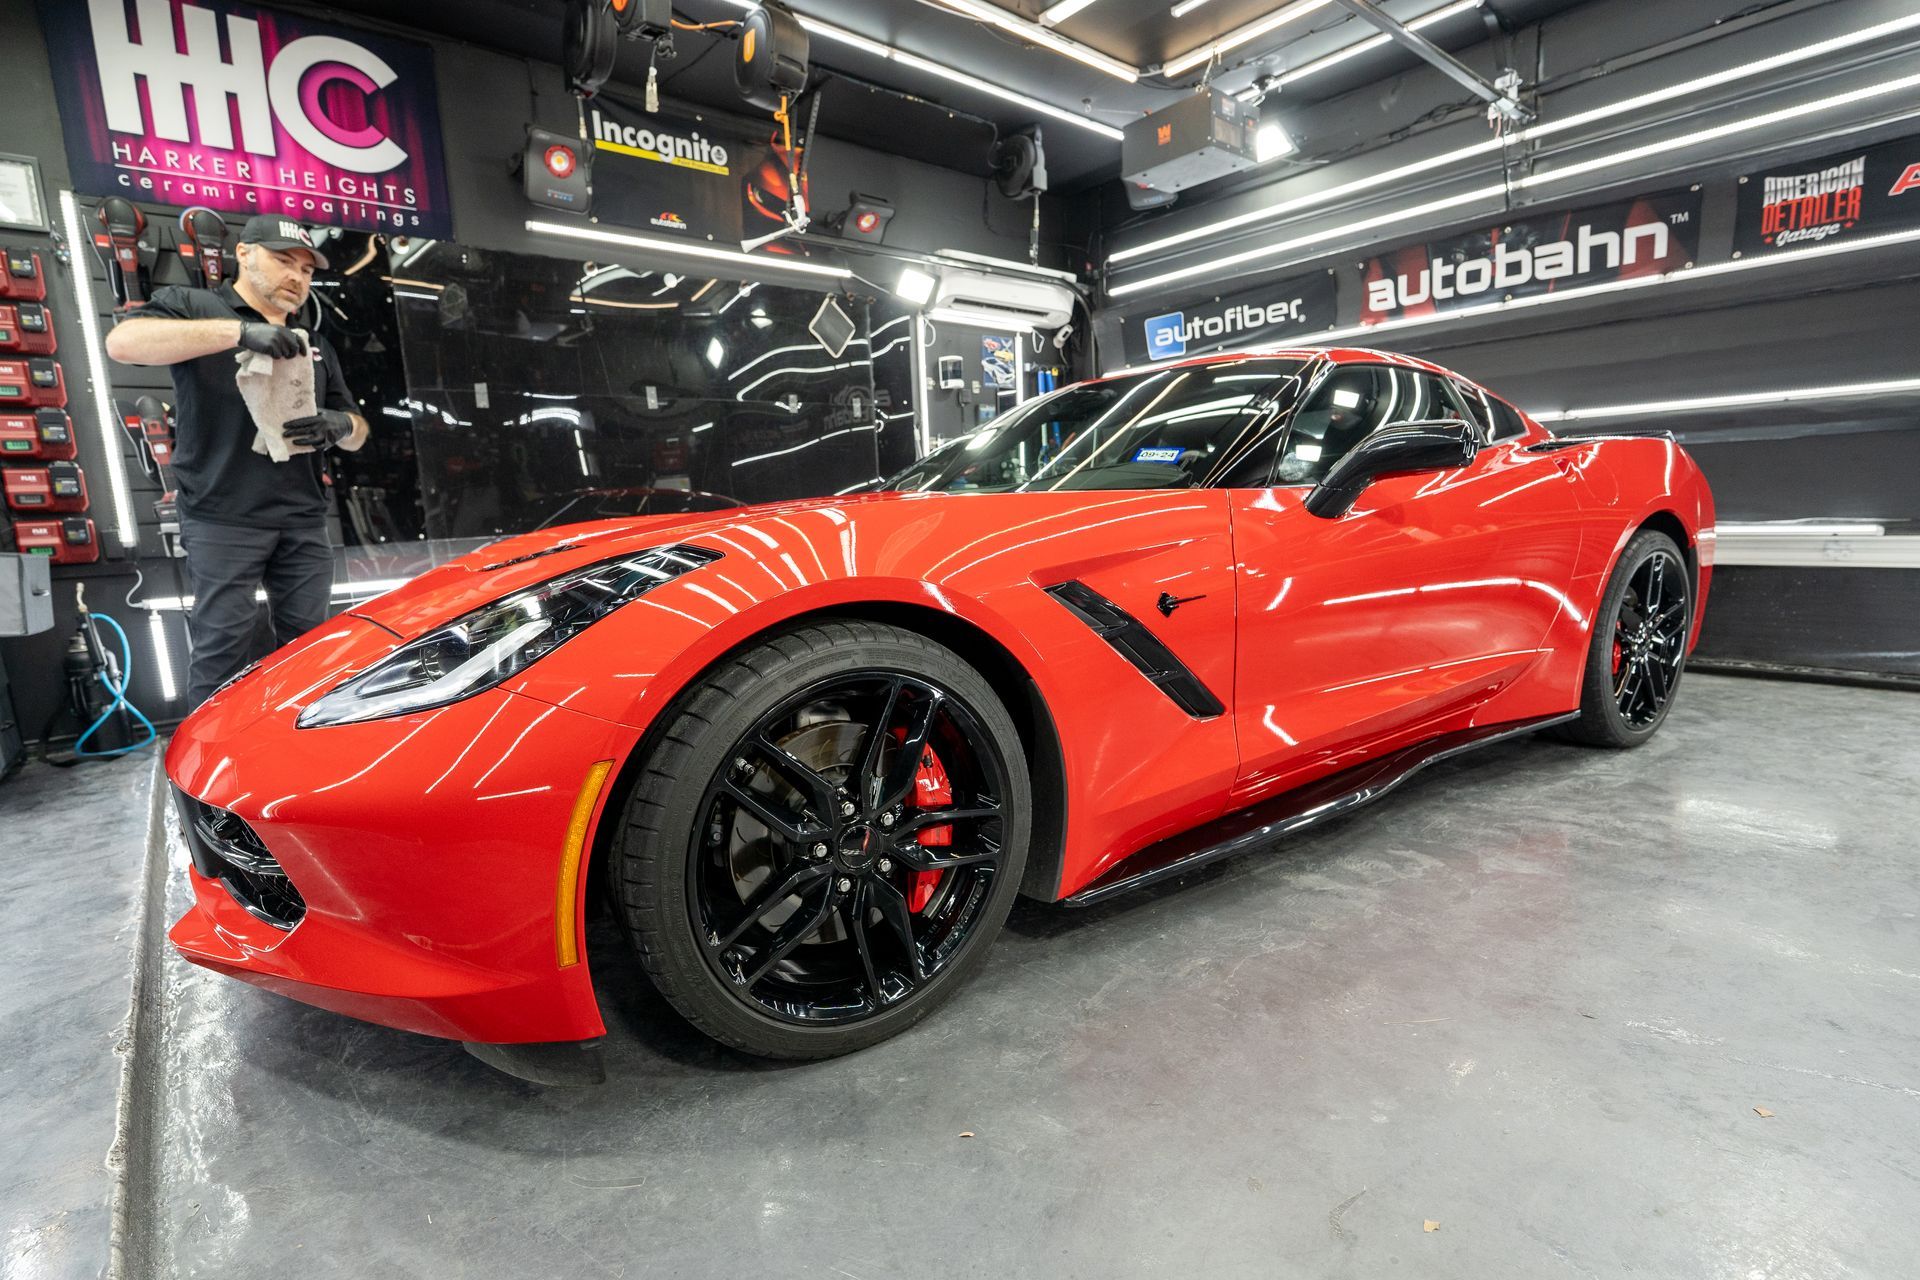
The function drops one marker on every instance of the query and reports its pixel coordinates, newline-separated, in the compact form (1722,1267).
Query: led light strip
(1332,336)
(1625,106)
(1241,35)
(1731,129)
(826,30)
(1054,15)
(1367,45)
(106,419)
(1898,386)
(654,244)
(993,15)
(162,656)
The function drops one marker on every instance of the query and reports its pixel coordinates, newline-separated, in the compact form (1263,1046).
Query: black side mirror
(1441,444)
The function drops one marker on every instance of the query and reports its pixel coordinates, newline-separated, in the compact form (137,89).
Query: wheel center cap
(857,848)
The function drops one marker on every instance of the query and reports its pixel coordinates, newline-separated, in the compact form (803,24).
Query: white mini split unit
(999,302)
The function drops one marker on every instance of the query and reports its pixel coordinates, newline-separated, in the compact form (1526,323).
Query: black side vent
(226,849)
(1132,641)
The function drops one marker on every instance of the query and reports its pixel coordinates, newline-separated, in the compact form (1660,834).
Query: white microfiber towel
(276,392)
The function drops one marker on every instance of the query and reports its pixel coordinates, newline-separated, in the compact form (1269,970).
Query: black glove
(274,340)
(321,431)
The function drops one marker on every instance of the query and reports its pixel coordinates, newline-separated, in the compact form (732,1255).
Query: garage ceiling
(1144,34)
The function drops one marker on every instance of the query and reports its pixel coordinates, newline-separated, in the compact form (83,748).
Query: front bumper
(426,852)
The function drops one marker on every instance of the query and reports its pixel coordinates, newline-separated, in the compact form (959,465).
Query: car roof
(1339,355)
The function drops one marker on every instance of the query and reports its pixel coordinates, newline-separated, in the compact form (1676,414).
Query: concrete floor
(1535,997)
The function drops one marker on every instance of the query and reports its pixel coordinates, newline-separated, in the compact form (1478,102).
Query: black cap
(280,233)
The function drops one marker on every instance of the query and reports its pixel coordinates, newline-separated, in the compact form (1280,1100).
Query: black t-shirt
(222,480)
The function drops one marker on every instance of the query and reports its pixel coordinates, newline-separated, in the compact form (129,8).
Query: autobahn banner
(1535,254)
(1866,191)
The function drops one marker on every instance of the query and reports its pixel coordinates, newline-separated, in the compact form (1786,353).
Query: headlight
(496,642)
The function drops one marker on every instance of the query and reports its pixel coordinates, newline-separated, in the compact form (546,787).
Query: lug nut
(886,819)
(819,851)
(846,808)
(843,884)
(740,765)
(886,865)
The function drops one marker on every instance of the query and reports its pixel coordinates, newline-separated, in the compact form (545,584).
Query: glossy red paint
(428,846)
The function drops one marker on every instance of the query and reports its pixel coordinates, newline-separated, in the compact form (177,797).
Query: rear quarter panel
(1628,481)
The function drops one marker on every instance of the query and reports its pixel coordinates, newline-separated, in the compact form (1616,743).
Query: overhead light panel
(1354,50)
(968,80)
(994,15)
(1234,39)
(1741,400)
(915,286)
(1186,7)
(656,244)
(1054,15)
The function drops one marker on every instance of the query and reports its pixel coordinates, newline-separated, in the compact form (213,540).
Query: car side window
(1352,403)
(1507,422)
(1476,402)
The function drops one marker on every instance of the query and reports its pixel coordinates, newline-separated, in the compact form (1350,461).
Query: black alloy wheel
(828,837)
(1650,639)
(1639,646)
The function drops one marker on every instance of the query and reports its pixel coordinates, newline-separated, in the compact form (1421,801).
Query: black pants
(226,564)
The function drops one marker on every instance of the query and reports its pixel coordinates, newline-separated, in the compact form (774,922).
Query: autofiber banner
(676,175)
(1867,191)
(249,111)
(1539,253)
(1251,318)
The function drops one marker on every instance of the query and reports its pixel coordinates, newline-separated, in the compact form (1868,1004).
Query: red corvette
(816,747)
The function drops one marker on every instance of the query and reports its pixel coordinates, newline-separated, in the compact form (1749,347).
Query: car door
(1399,619)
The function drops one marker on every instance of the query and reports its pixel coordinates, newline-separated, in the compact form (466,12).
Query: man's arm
(151,340)
(359,436)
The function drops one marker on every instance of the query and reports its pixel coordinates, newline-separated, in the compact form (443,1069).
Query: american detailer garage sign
(207,102)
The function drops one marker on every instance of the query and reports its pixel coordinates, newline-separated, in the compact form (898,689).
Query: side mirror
(1441,444)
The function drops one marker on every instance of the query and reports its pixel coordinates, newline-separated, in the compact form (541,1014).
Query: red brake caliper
(932,789)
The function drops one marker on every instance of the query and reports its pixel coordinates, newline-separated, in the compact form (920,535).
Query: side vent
(1132,641)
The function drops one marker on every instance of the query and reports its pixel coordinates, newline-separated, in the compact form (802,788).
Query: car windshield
(1211,424)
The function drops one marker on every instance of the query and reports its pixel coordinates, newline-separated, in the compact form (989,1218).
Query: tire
(1637,655)
(737,804)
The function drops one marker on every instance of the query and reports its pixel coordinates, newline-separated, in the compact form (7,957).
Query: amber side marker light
(566,920)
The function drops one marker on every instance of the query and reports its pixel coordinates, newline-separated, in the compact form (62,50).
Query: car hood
(512,564)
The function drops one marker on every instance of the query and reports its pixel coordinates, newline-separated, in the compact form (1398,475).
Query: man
(245,520)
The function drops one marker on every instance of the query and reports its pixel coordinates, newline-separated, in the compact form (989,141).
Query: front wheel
(1639,646)
(829,833)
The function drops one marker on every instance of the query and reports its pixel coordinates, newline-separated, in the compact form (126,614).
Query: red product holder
(26,328)
(21,279)
(36,382)
(45,435)
(73,540)
(58,486)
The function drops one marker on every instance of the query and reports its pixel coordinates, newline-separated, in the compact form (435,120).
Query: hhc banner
(286,115)
(1863,192)
(1624,240)
(1252,318)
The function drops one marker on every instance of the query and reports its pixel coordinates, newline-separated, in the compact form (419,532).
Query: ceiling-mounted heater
(999,301)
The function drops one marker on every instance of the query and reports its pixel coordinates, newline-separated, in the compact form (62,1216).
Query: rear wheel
(1639,646)
(829,834)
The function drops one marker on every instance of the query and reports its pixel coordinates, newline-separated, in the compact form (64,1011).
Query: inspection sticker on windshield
(1157,455)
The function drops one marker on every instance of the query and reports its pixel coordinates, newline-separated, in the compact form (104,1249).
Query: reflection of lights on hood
(716,353)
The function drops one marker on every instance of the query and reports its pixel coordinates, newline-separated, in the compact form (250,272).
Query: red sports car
(816,747)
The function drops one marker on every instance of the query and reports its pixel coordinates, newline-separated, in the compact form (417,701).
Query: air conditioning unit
(996,301)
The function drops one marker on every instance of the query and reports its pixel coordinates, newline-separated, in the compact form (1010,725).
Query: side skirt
(1266,823)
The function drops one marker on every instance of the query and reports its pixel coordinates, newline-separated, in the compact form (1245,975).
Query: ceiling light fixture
(915,286)
(854,40)
(1339,56)
(1271,142)
(1186,7)
(1059,13)
(994,15)
(1746,399)
(655,244)
(1234,39)
(1681,89)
